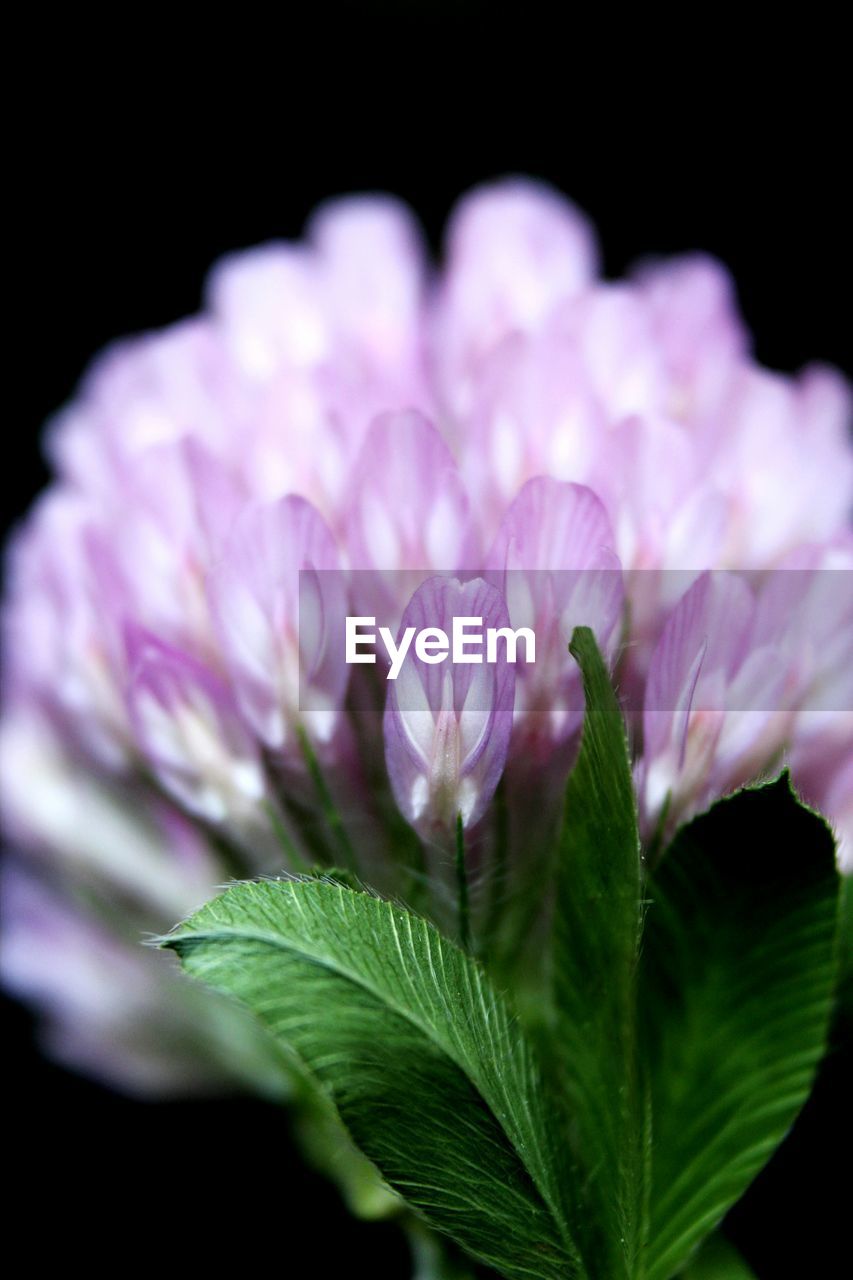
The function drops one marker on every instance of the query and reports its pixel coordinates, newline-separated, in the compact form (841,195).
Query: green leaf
(736,990)
(718,1260)
(433,1256)
(597,927)
(329,1148)
(845,949)
(423,1061)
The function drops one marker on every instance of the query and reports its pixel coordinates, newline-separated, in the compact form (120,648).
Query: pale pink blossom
(348,428)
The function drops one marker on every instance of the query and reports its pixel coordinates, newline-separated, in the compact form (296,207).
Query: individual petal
(447,723)
(149,547)
(408,508)
(282,645)
(664,513)
(715,710)
(554,563)
(190,734)
(693,308)
(781,454)
(712,619)
(266,304)
(146,391)
(217,493)
(822,768)
(372,263)
(805,609)
(62,625)
(611,328)
(553,525)
(102,830)
(513,251)
(535,413)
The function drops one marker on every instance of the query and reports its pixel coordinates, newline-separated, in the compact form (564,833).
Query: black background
(135,160)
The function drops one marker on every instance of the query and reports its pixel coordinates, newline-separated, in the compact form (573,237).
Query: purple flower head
(447,723)
(174,679)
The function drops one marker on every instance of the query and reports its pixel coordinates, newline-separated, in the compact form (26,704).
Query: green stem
(290,850)
(327,803)
(406,844)
(501,859)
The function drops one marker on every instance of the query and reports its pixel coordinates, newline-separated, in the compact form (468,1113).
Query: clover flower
(345,429)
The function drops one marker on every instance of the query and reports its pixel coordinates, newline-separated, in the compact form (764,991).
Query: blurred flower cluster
(510,438)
